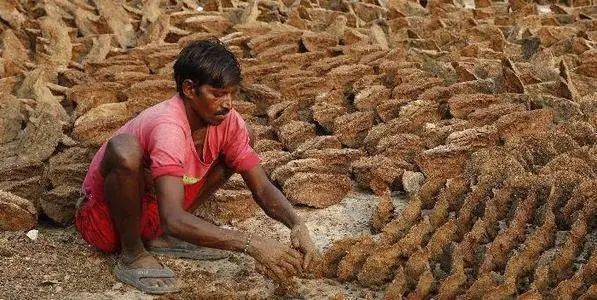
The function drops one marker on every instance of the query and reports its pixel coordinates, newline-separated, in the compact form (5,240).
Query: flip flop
(133,278)
(190,251)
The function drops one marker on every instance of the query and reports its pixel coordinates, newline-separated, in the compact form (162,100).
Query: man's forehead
(228,88)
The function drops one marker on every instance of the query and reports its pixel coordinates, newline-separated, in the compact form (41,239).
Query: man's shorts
(94,220)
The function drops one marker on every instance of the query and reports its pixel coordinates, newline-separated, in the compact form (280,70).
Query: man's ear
(188,88)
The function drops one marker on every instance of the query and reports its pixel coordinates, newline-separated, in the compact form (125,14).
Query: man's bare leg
(215,178)
(122,169)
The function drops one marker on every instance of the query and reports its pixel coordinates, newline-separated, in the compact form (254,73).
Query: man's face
(211,104)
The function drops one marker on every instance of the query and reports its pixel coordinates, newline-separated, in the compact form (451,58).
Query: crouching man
(145,182)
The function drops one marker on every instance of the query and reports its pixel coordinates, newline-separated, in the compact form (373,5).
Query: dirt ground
(60,265)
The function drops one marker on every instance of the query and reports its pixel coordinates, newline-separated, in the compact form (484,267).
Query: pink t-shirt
(164,134)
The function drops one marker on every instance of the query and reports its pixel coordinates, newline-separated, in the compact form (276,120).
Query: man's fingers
(259,268)
(307,260)
(296,263)
(294,253)
(266,270)
(288,267)
(270,274)
(279,275)
(294,240)
(295,256)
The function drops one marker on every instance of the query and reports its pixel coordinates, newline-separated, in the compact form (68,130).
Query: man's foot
(145,273)
(168,245)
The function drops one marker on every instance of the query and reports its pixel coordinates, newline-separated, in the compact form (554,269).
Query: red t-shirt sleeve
(237,152)
(166,147)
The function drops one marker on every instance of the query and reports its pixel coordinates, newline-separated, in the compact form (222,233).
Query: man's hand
(301,240)
(278,207)
(278,261)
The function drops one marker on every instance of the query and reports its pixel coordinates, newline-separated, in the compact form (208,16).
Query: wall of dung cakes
(483,113)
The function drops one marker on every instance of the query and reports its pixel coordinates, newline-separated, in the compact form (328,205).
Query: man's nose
(227,102)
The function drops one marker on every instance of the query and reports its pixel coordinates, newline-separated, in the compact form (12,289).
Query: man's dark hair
(206,62)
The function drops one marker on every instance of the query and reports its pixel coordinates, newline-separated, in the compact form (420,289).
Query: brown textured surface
(316,189)
(17,213)
(492,104)
(228,206)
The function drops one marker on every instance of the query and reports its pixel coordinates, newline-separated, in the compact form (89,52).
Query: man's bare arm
(184,225)
(279,261)
(269,197)
(275,205)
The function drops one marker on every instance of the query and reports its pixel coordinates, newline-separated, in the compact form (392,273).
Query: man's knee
(123,153)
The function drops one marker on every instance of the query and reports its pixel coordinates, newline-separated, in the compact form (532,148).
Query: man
(190,145)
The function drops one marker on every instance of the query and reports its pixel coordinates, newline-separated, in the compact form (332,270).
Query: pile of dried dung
(484,112)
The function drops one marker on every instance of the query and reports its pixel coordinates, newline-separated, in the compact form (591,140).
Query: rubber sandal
(190,251)
(133,277)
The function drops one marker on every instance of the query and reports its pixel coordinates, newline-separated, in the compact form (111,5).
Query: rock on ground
(317,190)
(16,213)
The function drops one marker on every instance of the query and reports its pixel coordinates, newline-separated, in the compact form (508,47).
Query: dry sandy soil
(60,265)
